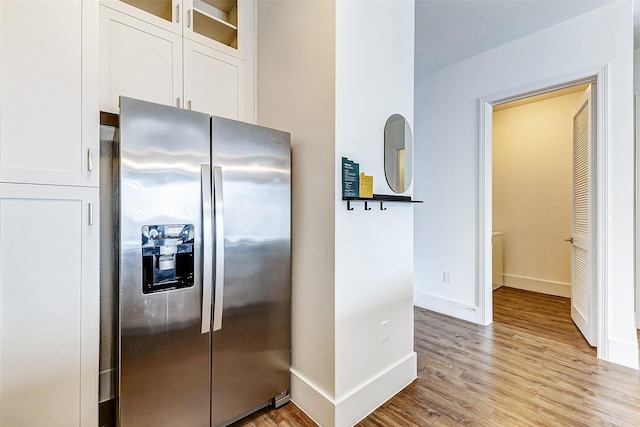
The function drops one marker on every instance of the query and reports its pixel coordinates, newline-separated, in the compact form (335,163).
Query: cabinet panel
(137,60)
(220,24)
(48,306)
(48,119)
(166,14)
(215,23)
(213,82)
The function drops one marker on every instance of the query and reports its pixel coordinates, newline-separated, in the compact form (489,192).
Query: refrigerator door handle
(207,248)
(218,201)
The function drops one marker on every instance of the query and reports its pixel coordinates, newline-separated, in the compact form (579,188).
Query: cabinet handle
(178,102)
(189,104)
(90,159)
(90,213)
(178,13)
(189,18)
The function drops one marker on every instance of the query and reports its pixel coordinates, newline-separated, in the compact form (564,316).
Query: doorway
(541,199)
(485,210)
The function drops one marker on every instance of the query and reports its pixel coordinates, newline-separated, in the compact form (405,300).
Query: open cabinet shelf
(160,8)
(217,20)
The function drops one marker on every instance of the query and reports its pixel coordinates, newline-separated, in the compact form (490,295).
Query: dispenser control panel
(167,257)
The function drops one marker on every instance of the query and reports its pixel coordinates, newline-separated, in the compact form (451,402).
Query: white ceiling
(448,31)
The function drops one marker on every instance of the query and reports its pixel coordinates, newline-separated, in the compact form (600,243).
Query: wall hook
(382,208)
(349,208)
(366,206)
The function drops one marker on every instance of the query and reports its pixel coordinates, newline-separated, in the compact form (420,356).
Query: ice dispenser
(167,257)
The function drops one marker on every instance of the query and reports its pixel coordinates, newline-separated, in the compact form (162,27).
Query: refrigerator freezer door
(164,362)
(251,351)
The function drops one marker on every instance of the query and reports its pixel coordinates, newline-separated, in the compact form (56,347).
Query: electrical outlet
(446,277)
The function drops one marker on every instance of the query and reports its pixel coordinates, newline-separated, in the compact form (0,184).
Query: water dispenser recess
(167,257)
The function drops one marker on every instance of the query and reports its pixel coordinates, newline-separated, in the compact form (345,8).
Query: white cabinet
(178,53)
(49,306)
(49,121)
(225,25)
(222,21)
(212,81)
(49,258)
(138,60)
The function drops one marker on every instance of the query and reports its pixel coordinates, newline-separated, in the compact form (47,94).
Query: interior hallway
(530,367)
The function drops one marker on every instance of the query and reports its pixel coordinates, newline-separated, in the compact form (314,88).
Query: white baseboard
(449,307)
(359,402)
(314,401)
(365,399)
(536,285)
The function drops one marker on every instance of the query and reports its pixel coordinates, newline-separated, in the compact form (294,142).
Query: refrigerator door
(164,360)
(251,338)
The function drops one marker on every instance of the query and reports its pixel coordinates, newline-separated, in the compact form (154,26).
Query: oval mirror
(398,153)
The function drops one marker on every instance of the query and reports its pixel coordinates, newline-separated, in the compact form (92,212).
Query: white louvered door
(583,290)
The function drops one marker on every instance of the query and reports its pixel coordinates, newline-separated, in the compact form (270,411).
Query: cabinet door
(138,60)
(213,23)
(49,306)
(48,92)
(213,81)
(225,25)
(166,14)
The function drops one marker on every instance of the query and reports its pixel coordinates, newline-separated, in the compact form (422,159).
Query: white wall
(374,249)
(447,154)
(532,192)
(330,76)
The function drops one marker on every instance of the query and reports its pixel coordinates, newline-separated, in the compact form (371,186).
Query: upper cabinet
(195,54)
(217,20)
(221,24)
(49,116)
(213,20)
(138,60)
(213,82)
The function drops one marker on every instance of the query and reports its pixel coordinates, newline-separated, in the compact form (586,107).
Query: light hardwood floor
(531,367)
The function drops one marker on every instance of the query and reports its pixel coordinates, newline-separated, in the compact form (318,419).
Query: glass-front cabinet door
(163,9)
(214,23)
(214,20)
(166,14)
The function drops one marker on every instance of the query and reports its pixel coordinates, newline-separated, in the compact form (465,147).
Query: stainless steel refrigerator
(204,219)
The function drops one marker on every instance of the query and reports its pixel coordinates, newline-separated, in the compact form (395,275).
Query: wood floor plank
(409,412)
(441,364)
(459,392)
(606,407)
(530,367)
(501,417)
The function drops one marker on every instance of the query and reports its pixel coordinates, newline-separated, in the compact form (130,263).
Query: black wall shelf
(379,198)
